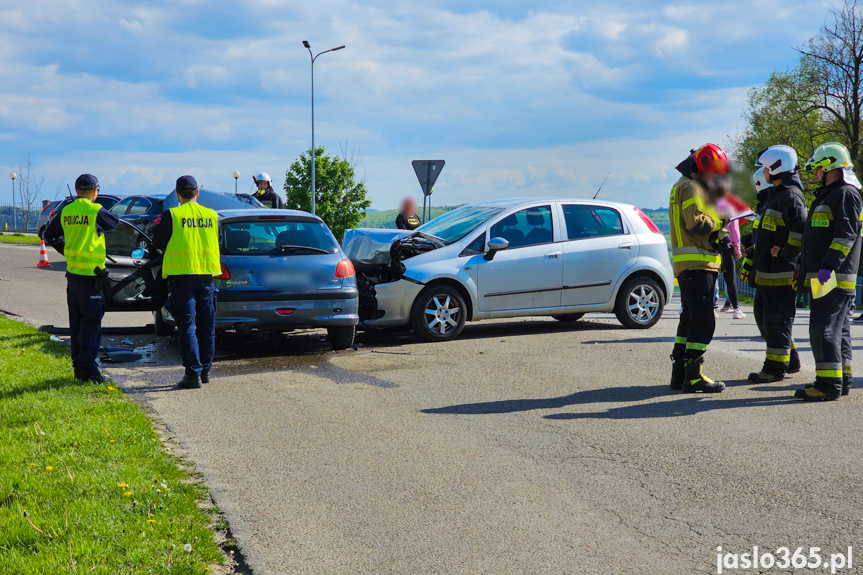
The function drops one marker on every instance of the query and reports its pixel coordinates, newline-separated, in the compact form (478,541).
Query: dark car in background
(107,201)
(146,211)
(143,211)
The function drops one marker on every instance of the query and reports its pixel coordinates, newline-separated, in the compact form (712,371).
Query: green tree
(340,199)
(820,100)
(776,114)
(833,60)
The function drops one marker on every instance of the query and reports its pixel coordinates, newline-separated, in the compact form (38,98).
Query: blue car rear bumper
(259,310)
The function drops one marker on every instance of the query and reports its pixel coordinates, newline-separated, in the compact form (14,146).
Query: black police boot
(94,377)
(205,377)
(812,393)
(678,372)
(846,383)
(794,362)
(190,380)
(696,381)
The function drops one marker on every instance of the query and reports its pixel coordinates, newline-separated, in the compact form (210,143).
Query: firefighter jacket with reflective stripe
(194,245)
(84,246)
(782,219)
(831,239)
(693,221)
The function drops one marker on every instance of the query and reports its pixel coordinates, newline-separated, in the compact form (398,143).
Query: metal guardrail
(743,288)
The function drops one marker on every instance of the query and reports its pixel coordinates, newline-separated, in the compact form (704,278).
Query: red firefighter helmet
(710,159)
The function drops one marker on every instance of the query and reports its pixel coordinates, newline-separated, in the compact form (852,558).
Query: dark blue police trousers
(86,308)
(192,302)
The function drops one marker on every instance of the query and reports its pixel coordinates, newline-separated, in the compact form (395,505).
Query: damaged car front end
(386,291)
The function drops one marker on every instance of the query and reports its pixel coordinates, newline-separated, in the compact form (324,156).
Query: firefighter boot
(794,362)
(847,378)
(696,380)
(765,376)
(812,393)
(678,372)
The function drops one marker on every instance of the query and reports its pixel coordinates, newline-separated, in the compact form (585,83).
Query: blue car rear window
(276,237)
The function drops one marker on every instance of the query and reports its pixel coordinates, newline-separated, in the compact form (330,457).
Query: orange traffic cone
(43,257)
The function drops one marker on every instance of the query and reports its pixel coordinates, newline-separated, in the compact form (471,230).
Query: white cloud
(541,102)
(672,40)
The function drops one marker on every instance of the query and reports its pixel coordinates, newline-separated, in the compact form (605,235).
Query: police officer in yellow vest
(77,232)
(189,237)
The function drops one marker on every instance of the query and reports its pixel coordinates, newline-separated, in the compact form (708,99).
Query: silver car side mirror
(494,246)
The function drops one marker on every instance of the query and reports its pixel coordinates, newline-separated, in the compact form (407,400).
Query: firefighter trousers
(830,335)
(775,308)
(697,322)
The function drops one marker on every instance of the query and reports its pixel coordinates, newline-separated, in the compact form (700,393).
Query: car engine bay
(377,255)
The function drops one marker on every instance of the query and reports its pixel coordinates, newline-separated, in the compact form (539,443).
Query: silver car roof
(509,203)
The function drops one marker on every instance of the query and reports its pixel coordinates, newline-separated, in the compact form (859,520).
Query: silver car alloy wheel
(442,314)
(643,303)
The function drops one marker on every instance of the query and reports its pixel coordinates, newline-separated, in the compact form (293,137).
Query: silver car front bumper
(395,300)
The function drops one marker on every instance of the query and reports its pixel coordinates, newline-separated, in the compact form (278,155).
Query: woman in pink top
(729,248)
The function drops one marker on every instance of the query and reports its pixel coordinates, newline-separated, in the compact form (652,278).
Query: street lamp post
(236,177)
(315,57)
(12,176)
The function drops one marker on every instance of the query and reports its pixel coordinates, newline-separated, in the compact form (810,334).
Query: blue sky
(520,98)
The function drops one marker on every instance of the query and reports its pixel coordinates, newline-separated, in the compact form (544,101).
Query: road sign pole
(427,177)
(426,195)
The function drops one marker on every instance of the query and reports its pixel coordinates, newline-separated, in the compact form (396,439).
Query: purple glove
(824,275)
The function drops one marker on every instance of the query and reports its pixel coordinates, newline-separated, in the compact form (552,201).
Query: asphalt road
(526,446)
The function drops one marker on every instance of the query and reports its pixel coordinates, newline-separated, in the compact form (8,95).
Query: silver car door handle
(552,255)
(626,246)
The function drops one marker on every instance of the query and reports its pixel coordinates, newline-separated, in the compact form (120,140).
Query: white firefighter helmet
(263,177)
(778,160)
(760,181)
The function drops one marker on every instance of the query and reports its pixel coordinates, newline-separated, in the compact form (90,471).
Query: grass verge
(85,484)
(19,239)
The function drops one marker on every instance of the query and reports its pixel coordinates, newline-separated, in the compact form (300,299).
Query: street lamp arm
(315,57)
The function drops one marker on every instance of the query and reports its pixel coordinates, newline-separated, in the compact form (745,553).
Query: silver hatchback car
(561,257)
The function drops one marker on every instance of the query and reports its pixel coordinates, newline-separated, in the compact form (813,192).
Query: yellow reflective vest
(84,247)
(693,220)
(194,245)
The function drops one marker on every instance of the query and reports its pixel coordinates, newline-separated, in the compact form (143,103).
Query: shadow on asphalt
(686,405)
(681,405)
(484,330)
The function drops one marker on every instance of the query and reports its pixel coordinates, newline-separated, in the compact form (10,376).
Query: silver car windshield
(453,226)
(276,237)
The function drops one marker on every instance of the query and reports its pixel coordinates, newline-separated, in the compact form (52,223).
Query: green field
(659,217)
(16,238)
(85,484)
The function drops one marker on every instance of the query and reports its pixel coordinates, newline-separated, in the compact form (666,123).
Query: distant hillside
(660,218)
(387,218)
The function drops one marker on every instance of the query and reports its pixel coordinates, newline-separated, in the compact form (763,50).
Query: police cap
(186,183)
(86,182)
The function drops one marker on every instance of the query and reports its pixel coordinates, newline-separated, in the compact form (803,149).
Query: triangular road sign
(427,172)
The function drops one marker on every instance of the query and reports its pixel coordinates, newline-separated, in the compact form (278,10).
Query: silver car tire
(439,313)
(639,303)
